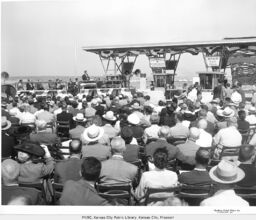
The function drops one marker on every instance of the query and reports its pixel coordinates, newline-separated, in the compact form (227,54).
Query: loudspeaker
(171,64)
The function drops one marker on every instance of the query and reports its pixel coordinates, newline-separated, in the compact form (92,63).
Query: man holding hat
(226,174)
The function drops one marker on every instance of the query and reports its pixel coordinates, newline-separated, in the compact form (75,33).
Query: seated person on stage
(157,178)
(116,169)
(10,187)
(32,166)
(199,175)
(247,157)
(82,192)
(226,174)
(70,169)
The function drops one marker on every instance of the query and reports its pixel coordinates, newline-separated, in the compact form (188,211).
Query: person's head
(74,104)
(202,157)
(154,119)
(75,146)
(148,110)
(147,97)
(160,158)
(10,171)
(118,146)
(127,134)
(90,169)
(178,118)
(202,124)
(164,132)
(242,115)
(202,113)
(64,106)
(194,133)
(246,153)
(232,121)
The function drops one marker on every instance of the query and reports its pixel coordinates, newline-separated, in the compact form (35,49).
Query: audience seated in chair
(157,178)
(226,174)
(82,192)
(70,169)
(10,187)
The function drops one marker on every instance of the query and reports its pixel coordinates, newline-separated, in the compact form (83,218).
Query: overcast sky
(44,37)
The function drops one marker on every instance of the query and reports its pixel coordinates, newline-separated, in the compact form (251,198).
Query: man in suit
(43,136)
(247,157)
(199,175)
(80,126)
(82,192)
(11,189)
(174,152)
(70,169)
(131,153)
(65,116)
(115,169)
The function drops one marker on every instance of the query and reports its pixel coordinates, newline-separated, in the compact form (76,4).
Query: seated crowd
(94,150)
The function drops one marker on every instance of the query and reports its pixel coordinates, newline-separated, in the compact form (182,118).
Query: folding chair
(62,128)
(159,194)
(194,194)
(57,191)
(119,192)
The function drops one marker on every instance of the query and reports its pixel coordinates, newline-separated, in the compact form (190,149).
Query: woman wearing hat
(33,168)
(226,174)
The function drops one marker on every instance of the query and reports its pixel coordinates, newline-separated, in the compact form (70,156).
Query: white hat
(13,112)
(5,123)
(93,133)
(252,109)
(226,172)
(79,117)
(94,102)
(133,119)
(109,116)
(227,112)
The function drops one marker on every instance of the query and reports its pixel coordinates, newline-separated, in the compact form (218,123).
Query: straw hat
(79,117)
(133,119)
(252,110)
(227,112)
(93,133)
(5,123)
(109,116)
(226,172)
(41,124)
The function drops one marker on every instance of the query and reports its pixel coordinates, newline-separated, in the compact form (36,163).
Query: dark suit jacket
(173,151)
(99,110)
(65,116)
(44,138)
(131,153)
(250,175)
(67,170)
(10,192)
(116,170)
(195,177)
(243,125)
(14,120)
(8,142)
(81,193)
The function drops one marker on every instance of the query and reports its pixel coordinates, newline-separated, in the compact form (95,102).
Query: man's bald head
(75,146)
(10,171)
(164,132)
(202,124)
(194,133)
(118,145)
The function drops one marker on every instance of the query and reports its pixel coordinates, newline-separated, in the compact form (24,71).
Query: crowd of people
(106,140)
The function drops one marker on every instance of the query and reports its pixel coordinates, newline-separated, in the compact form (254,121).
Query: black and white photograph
(118,105)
